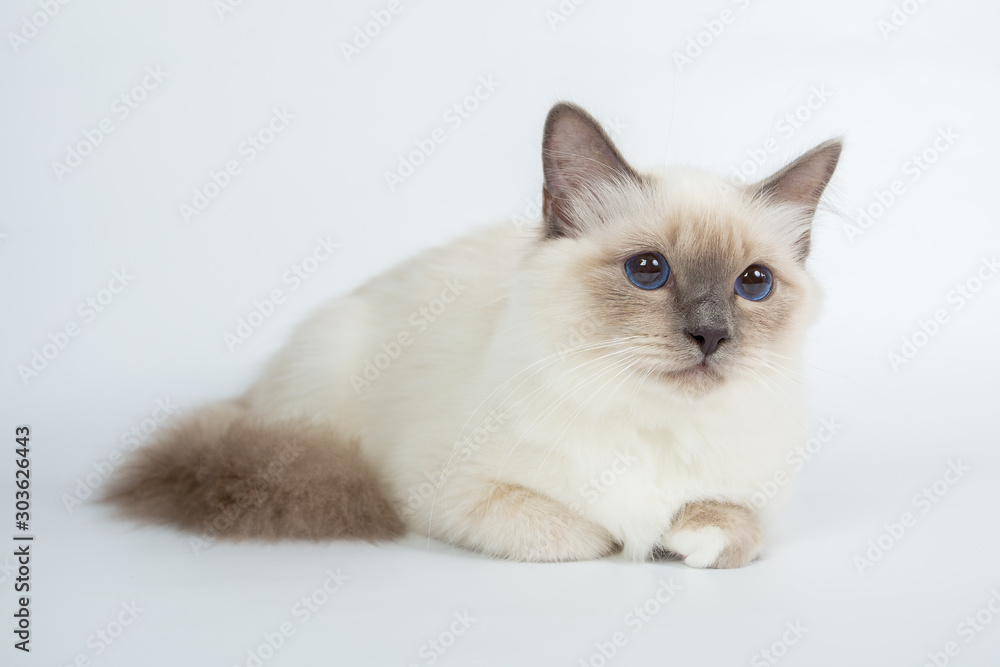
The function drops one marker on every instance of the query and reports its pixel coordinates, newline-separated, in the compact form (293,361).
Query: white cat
(620,380)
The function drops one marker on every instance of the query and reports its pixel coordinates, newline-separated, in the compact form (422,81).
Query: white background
(162,336)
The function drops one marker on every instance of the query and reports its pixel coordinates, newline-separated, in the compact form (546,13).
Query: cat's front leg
(714,534)
(512,521)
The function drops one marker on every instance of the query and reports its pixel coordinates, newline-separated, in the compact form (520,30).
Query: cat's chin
(695,380)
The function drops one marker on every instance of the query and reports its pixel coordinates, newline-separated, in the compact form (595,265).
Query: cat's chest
(610,462)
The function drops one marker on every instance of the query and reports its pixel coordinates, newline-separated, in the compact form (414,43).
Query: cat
(619,380)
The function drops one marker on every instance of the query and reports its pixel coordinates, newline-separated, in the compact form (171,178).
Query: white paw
(700,547)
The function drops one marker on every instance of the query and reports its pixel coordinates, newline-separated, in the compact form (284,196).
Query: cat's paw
(516,523)
(563,542)
(714,534)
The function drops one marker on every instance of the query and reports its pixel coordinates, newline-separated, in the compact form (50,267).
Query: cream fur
(483,400)
(516,394)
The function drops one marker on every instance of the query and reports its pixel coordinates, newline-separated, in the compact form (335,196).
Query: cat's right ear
(577,158)
(801,184)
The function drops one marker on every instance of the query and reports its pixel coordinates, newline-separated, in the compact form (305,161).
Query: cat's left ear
(802,184)
(578,158)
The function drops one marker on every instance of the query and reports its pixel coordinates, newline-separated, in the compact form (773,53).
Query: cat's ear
(802,184)
(577,158)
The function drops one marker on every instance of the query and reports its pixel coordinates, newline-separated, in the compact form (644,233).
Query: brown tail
(225,473)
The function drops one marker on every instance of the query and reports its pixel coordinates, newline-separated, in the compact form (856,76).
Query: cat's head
(682,276)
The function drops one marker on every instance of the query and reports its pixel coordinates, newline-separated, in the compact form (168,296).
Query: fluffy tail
(225,473)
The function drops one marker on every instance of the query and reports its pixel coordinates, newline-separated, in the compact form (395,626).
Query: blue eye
(648,270)
(755,283)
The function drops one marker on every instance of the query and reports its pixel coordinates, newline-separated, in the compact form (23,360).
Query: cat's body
(515,394)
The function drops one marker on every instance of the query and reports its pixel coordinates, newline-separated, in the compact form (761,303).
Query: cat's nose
(708,339)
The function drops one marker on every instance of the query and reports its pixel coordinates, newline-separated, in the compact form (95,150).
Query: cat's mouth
(700,375)
(691,373)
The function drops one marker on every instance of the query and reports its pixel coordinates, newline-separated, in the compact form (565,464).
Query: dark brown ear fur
(224,473)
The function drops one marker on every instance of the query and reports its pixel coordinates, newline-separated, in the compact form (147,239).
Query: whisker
(550,409)
(461,445)
(569,422)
